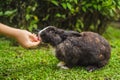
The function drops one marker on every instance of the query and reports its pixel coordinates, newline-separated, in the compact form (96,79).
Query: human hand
(27,39)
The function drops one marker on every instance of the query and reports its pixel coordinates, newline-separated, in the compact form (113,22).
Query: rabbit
(87,49)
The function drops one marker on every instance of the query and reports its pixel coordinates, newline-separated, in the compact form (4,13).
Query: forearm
(8,31)
(25,38)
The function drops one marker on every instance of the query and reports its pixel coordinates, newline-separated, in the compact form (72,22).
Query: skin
(25,38)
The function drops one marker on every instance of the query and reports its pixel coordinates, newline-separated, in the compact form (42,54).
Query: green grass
(17,63)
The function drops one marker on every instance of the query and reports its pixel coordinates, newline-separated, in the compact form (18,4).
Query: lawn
(17,63)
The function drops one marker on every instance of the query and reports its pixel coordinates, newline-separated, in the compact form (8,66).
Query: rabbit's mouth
(39,33)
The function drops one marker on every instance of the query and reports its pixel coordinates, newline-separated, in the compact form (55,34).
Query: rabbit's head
(54,36)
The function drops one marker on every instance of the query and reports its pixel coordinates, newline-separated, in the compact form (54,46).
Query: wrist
(15,32)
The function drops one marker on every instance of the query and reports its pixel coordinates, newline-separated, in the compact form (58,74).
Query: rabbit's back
(89,48)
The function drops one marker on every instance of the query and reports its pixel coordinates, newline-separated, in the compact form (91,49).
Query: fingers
(33,41)
(34,38)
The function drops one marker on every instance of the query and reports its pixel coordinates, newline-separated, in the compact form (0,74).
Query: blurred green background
(79,15)
(17,63)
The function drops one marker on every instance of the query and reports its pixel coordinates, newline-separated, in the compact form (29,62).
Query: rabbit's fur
(87,49)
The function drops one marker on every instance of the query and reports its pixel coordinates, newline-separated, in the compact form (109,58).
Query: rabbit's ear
(72,33)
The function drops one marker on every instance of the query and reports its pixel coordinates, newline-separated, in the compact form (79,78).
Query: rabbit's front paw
(62,65)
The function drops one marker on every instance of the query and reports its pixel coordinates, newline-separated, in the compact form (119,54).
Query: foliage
(17,63)
(19,14)
(80,15)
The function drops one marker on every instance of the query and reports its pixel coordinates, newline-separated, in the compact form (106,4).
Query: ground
(17,63)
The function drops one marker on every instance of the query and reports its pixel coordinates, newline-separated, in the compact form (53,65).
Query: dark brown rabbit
(87,49)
